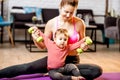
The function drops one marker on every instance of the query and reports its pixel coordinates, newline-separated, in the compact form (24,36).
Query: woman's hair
(61,31)
(73,3)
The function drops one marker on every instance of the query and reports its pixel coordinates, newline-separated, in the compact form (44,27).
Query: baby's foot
(78,78)
(81,78)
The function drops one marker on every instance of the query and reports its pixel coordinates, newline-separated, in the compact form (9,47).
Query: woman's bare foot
(78,78)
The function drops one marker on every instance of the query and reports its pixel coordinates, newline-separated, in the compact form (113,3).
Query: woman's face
(67,12)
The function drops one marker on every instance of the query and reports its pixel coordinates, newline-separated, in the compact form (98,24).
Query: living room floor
(107,58)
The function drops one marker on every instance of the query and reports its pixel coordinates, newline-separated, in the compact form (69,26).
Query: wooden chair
(7,25)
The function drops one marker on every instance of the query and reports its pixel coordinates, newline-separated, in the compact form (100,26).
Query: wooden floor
(107,58)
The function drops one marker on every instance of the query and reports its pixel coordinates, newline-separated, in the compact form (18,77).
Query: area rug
(104,76)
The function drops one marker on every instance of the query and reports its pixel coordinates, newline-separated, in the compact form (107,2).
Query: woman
(76,30)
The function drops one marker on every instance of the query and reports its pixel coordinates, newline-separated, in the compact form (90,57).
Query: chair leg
(119,43)
(1,35)
(107,42)
(13,32)
(10,35)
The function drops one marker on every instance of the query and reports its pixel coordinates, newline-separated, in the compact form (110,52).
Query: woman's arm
(49,29)
(81,28)
(47,32)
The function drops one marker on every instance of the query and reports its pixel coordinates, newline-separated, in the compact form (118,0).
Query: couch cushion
(48,14)
(23,17)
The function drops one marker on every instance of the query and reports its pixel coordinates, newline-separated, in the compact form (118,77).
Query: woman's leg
(38,66)
(89,71)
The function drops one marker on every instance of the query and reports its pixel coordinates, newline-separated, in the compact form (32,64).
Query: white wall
(35,3)
(98,7)
(115,4)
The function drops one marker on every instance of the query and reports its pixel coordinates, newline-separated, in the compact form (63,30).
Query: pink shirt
(56,55)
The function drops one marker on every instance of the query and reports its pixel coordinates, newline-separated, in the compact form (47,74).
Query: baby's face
(61,40)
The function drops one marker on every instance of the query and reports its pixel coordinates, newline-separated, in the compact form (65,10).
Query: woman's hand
(35,33)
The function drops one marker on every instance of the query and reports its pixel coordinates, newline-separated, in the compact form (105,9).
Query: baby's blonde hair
(61,31)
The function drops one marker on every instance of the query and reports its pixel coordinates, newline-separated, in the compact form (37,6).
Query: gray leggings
(64,73)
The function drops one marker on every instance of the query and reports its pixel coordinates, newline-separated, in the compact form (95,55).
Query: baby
(57,53)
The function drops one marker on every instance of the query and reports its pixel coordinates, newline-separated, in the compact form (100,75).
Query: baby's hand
(35,34)
(84,45)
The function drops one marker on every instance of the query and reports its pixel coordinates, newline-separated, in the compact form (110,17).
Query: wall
(115,4)
(84,4)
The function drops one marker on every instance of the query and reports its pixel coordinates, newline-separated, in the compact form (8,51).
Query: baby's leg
(72,69)
(58,74)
